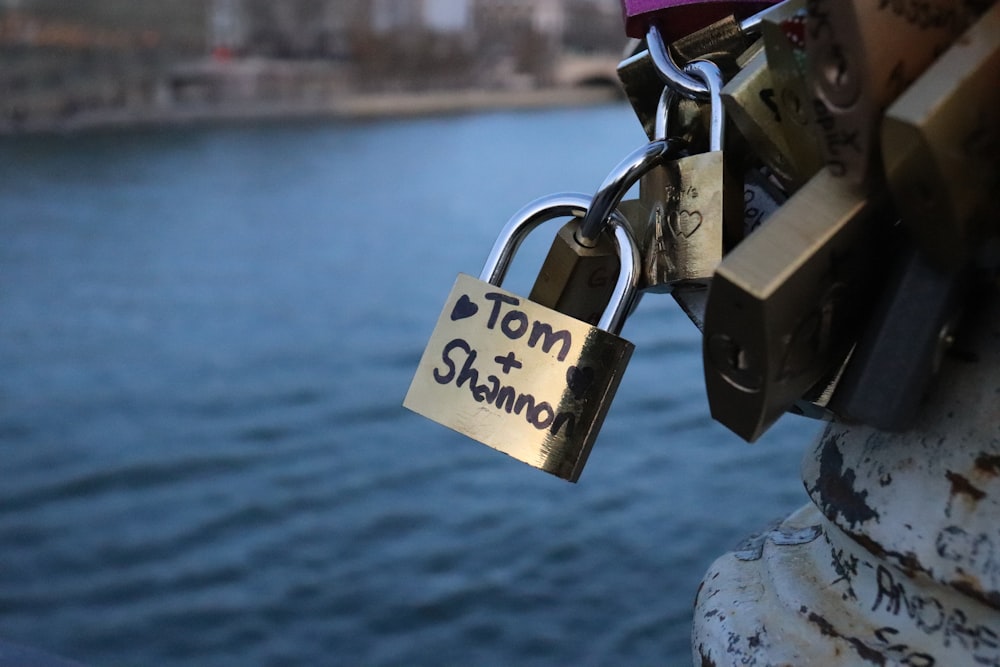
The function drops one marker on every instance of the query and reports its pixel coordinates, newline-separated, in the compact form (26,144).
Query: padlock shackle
(668,69)
(693,80)
(560,206)
(710,73)
(530,216)
(625,174)
(627,287)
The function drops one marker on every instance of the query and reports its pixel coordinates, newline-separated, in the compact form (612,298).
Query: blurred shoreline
(348,106)
(115,64)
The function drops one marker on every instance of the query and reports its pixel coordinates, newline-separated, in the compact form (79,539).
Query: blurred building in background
(135,59)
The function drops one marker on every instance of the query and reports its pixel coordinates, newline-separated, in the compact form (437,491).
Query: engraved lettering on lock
(684,224)
(673,194)
(681,223)
(539,414)
(820,19)
(599,277)
(753,217)
(828,123)
(515,325)
(923,14)
(767,97)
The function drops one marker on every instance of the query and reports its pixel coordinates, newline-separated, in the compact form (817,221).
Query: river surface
(205,339)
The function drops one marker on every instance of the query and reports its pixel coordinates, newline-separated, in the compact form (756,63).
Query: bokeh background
(212,302)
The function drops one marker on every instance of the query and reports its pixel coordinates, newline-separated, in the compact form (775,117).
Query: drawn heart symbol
(685,223)
(464,308)
(579,380)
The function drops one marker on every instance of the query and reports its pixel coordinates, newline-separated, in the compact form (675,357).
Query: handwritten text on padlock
(515,325)
(527,380)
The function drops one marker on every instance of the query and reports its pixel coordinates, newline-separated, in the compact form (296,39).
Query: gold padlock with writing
(941,148)
(749,99)
(526,380)
(862,55)
(789,97)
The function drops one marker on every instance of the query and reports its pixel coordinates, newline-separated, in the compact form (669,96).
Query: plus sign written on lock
(508,362)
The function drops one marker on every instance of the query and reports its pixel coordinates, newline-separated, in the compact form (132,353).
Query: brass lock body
(941,143)
(749,99)
(862,55)
(521,378)
(789,97)
(785,305)
(691,203)
(576,279)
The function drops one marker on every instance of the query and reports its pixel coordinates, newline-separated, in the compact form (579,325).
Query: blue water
(205,339)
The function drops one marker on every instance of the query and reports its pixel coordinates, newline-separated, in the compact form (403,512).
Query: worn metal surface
(905,565)
(861,56)
(828,601)
(682,236)
(927,500)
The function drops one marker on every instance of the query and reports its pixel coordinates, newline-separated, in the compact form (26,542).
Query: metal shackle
(711,75)
(625,174)
(668,69)
(645,158)
(559,206)
(683,80)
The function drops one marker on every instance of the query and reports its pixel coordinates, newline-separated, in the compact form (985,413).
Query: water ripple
(134,478)
(203,360)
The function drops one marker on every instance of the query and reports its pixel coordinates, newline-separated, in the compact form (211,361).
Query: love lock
(524,379)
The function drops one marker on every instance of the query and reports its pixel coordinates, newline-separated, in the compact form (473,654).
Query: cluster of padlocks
(820,193)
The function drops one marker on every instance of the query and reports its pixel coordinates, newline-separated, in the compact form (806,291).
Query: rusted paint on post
(905,566)
(830,601)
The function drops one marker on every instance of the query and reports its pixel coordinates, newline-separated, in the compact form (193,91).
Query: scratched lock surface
(516,376)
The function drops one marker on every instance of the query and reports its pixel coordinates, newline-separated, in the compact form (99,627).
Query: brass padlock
(524,379)
(644,73)
(749,99)
(761,200)
(862,55)
(726,37)
(785,305)
(941,147)
(577,279)
(783,32)
(689,201)
(642,85)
